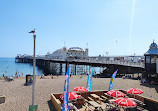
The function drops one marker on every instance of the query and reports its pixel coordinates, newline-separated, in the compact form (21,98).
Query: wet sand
(19,97)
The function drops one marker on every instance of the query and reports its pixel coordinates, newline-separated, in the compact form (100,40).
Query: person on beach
(57,75)
(152,83)
(143,80)
(16,75)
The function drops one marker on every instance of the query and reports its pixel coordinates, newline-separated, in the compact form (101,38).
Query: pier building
(151,59)
(71,53)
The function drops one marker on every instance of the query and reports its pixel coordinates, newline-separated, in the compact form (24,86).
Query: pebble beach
(19,97)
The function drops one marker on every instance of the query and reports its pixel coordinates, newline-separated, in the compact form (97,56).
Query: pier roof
(153,49)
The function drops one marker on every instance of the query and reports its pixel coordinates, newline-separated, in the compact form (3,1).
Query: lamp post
(34,64)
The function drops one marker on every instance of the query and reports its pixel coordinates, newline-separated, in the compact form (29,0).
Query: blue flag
(66,91)
(89,82)
(112,80)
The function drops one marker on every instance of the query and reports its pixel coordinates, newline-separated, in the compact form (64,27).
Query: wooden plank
(56,105)
(90,99)
(58,101)
(89,109)
(95,104)
(104,97)
(94,95)
(72,107)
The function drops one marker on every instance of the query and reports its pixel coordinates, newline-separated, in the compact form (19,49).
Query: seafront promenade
(18,96)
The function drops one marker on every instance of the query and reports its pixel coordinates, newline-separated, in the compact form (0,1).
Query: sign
(29,79)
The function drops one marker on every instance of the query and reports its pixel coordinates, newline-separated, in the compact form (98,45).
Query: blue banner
(112,80)
(66,91)
(89,81)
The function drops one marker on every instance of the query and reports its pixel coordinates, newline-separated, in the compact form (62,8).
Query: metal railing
(118,62)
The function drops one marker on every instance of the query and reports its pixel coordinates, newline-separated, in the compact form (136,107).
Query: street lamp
(34,64)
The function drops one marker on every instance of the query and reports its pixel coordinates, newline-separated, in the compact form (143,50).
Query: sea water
(8,67)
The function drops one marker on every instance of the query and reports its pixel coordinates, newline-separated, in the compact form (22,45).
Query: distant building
(64,53)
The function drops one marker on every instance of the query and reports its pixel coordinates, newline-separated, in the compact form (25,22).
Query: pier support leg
(132,75)
(65,68)
(84,69)
(61,68)
(75,69)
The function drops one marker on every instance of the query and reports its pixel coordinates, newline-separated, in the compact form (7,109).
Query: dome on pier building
(153,49)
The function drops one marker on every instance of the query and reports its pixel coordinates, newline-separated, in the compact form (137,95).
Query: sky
(119,27)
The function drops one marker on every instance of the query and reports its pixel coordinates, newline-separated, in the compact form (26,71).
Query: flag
(89,81)
(112,80)
(66,90)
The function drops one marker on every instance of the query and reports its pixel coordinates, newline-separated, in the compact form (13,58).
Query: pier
(52,66)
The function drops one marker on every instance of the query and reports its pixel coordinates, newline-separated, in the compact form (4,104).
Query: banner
(66,91)
(112,80)
(89,81)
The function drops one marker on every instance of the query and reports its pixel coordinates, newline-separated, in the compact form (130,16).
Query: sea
(8,67)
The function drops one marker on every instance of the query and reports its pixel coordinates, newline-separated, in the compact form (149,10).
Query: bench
(90,99)
(95,105)
(72,107)
(89,109)
(109,97)
(104,98)
(111,106)
(96,98)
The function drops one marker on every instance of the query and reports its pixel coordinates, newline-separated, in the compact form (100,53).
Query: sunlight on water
(9,67)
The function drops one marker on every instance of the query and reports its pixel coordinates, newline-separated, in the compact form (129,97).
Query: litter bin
(29,79)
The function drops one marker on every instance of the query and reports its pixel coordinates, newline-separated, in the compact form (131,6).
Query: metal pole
(34,64)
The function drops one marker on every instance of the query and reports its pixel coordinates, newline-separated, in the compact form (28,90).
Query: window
(147,59)
(153,59)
